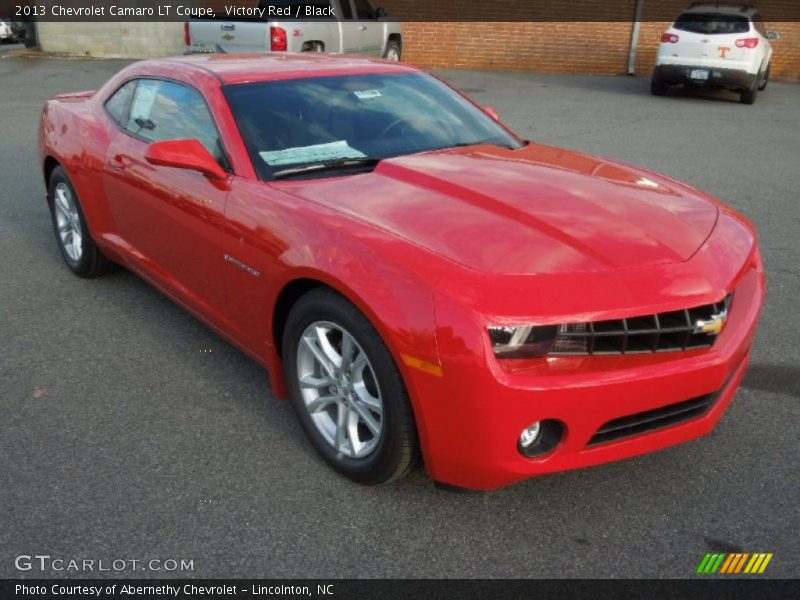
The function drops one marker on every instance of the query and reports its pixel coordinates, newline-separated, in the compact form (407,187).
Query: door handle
(362,27)
(117,162)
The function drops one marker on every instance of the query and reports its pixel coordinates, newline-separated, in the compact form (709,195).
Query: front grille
(653,419)
(660,332)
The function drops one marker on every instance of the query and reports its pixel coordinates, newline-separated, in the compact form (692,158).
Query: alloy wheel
(339,389)
(68,222)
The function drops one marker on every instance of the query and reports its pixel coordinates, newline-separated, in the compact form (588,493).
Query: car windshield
(354,120)
(712,23)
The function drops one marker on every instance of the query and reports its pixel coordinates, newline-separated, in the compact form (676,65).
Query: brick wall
(538,44)
(564,46)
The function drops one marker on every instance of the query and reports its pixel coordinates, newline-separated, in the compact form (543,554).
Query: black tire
(749,96)
(396,450)
(765,80)
(90,261)
(393,48)
(658,87)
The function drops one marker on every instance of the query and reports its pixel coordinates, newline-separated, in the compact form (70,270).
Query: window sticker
(311,154)
(367,94)
(143,101)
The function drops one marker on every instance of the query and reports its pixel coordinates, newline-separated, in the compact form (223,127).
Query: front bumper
(726,78)
(473,415)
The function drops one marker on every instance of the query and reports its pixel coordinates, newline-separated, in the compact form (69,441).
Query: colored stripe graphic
(734,562)
(764,564)
(727,564)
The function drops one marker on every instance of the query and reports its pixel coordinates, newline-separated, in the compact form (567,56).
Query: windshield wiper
(477,143)
(332,165)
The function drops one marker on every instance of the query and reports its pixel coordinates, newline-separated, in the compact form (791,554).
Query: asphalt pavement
(129,430)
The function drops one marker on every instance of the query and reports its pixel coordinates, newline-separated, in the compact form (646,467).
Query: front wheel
(393,51)
(347,390)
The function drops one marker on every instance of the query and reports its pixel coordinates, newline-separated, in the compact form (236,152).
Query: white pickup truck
(348,26)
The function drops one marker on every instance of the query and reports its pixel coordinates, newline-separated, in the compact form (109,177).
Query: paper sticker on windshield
(367,94)
(310,154)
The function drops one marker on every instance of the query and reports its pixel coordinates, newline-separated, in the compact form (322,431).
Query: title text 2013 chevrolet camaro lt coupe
(415,277)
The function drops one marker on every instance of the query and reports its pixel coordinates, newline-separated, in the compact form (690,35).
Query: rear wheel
(765,79)
(77,246)
(749,96)
(347,390)
(393,51)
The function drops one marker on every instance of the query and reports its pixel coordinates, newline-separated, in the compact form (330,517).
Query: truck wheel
(765,81)
(393,51)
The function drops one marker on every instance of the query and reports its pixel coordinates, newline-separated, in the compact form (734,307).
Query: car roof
(241,68)
(744,10)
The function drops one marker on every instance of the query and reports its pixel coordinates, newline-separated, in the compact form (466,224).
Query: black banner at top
(395,10)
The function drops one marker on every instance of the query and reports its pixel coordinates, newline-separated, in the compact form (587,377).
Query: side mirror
(491,112)
(773,35)
(185,154)
(380,13)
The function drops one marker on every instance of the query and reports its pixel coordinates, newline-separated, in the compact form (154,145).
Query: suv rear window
(712,23)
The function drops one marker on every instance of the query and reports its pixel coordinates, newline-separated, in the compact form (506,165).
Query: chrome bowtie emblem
(712,326)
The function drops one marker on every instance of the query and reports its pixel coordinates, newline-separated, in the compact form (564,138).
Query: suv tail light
(278,38)
(669,38)
(187,36)
(747,43)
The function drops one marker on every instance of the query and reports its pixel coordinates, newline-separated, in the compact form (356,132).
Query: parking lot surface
(130,430)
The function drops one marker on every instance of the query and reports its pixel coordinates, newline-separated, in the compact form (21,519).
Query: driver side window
(166,110)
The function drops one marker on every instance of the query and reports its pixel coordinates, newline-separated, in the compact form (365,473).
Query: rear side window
(712,23)
(165,110)
(364,10)
(347,9)
(118,106)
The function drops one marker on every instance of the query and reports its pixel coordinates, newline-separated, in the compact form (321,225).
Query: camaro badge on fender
(241,265)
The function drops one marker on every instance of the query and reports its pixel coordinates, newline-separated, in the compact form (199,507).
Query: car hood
(534,210)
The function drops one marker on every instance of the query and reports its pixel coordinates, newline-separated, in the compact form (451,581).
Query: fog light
(530,435)
(541,437)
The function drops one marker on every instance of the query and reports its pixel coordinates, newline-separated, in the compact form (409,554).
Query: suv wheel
(658,87)
(749,96)
(765,80)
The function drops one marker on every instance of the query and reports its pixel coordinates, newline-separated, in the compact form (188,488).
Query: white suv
(715,46)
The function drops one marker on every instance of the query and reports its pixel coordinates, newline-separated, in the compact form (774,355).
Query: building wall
(538,44)
(113,39)
(575,46)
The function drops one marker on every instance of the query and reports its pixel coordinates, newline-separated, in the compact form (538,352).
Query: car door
(169,219)
(370,29)
(350,32)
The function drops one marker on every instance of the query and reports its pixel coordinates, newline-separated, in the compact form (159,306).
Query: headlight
(534,341)
(522,341)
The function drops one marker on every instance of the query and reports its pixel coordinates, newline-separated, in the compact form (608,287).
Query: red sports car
(416,277)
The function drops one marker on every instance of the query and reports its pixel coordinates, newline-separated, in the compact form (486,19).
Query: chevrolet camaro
(418,280)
